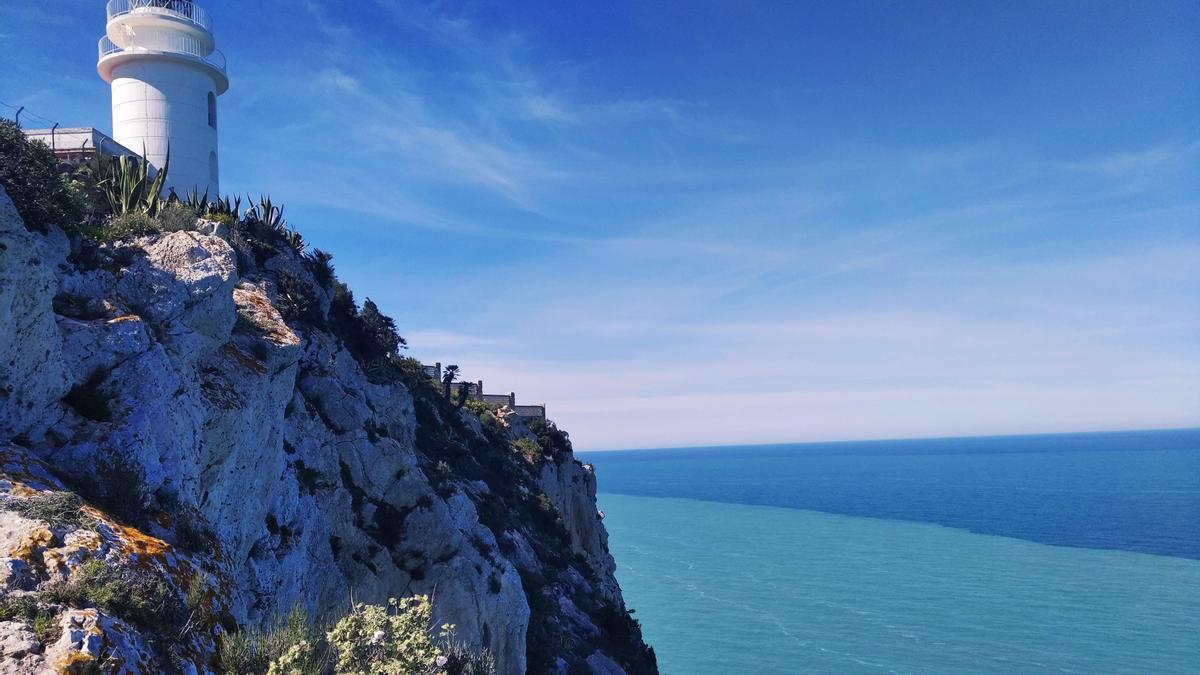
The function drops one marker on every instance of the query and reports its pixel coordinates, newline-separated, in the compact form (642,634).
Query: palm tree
(448,376)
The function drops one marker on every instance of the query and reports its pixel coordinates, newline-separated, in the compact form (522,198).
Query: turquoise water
(730,588)
(1134,491)
(1076,553)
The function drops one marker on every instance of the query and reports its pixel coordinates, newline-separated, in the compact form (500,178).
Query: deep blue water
(1134,491)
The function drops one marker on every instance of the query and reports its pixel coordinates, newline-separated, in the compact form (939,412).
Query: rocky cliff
(185,423)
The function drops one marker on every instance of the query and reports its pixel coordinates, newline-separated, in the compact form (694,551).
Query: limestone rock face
(32,376)
(253,462)
(571,486)
(183,284)
(91,640)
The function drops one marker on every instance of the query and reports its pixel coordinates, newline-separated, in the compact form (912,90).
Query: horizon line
(902,439)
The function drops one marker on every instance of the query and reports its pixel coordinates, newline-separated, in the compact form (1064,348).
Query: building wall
(161,103)
(497,399)
(77,143)
(433,372)
(475,391)
(538,411)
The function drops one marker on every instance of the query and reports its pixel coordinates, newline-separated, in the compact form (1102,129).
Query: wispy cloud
(671,264)
(338,81)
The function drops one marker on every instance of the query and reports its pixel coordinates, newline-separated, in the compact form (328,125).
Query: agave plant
(197,202)
(267,213)
(271,216)
(222,206)
(128,185)
(292,236)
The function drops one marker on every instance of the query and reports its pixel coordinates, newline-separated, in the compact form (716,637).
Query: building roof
(70,140)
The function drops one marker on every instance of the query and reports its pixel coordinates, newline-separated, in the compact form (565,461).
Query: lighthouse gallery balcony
(180,45)
(179,9)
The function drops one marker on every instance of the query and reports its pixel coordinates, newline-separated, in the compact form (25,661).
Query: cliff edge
(195,423)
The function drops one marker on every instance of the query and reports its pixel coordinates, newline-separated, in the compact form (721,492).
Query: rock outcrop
(236,455)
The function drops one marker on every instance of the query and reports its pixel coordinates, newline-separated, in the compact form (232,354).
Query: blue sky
(698,223)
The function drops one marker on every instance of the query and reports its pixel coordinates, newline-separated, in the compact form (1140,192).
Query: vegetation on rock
(394,639)
(54,507)
(43,194)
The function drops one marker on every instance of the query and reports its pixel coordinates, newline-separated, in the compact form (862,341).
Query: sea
(1066,553)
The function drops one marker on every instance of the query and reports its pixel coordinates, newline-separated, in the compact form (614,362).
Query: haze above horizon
(708,223)
(1190,436)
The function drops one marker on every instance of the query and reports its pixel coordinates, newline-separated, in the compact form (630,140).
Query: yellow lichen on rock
(74,663)
(134,542)
(254,306)
(33,545)
(21,490)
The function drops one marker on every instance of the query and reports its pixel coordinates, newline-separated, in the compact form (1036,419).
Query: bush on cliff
(136,595)
(385,640)
(51,506)
(292,643)
(124,226)
(378,330)
(529,450)
(177,216)
(43,195)
(393,639)
(552,439)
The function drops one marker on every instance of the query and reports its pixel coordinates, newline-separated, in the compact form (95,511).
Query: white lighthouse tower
(166,74)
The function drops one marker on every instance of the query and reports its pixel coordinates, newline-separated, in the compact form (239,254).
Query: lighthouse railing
(182,8)
(184,45)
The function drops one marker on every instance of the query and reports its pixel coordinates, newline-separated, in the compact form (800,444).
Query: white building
(77,144)
(166,74)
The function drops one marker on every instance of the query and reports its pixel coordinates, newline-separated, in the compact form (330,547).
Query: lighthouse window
(212,110)
(212,166)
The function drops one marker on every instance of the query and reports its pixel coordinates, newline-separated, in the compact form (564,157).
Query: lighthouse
(160,58)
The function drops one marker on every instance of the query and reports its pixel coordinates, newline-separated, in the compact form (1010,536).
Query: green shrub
(177,217)
(293,646)
(480,407)
(44,626)
(552,439)
(532,452)
(378,331)
(296,301)
(462,660)
(29,173)
(320,263)
(546,514)
(138,596)
(391,640)
(222,218)
(56,508)
(369,334)
(17,607)
(125,226)
(299,659)
(26,607)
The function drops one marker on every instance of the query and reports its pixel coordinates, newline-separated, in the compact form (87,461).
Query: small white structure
(166,74)
(77,144)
